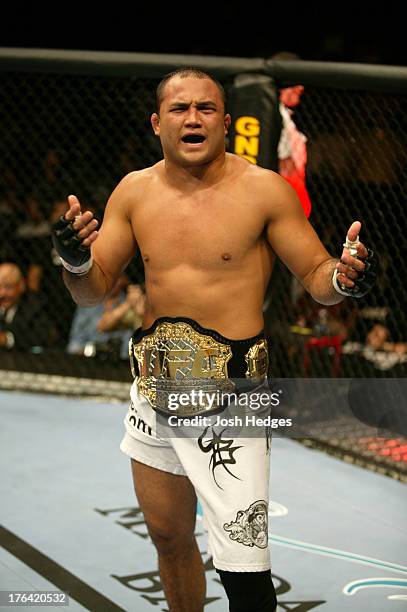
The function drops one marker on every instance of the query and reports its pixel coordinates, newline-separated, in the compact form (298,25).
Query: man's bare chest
(196,231)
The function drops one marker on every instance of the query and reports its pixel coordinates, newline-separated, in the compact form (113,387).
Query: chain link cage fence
(79,133)
(356,170)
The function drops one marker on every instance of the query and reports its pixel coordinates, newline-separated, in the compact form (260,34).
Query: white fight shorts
(230,475)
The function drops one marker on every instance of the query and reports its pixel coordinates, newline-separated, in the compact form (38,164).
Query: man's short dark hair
(184,73)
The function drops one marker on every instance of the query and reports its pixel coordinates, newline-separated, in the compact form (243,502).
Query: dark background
(354,32)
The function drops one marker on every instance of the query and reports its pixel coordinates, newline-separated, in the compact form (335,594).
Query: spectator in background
(107,327)
(378,338)
(339,319)
(23,318)
(292,147)
(378,351)
(127,315)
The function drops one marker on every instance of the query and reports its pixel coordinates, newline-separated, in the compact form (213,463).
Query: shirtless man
(208,226)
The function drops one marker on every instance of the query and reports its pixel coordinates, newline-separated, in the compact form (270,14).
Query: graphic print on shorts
(222,452)
(250,527)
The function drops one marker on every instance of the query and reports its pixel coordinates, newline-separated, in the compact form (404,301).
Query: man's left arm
(326,278)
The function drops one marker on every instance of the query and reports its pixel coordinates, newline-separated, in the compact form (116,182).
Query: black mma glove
(365,279)
(75,257)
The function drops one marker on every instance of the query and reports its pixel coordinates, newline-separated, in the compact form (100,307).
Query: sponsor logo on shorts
(138,422)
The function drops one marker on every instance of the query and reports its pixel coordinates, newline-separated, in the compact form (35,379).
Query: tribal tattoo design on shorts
(222,452)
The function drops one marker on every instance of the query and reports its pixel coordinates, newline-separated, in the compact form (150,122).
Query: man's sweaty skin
(208,226)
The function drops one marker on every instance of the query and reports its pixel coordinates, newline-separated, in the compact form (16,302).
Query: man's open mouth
(193,138)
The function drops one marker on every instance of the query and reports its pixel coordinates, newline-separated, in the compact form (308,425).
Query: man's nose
(193,117)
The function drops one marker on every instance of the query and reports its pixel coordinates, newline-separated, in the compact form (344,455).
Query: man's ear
(155,122)
(227,122)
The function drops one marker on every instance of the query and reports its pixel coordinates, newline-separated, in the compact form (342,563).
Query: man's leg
(230,474)
(168,503)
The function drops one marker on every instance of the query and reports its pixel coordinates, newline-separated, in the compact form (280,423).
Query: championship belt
(180,360)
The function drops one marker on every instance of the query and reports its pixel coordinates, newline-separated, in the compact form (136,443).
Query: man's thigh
(168,502)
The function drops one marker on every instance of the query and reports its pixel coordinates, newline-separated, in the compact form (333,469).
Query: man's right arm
(295,242)
(110,248)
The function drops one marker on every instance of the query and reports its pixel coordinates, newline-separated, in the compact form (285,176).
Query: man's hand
(72,236)
(355,273)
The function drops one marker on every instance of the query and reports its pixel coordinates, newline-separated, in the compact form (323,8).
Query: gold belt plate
(257,360)
(176,358)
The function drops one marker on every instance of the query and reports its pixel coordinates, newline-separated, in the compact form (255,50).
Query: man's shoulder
(255,176)
(268,192)
(133,187)
(142,177)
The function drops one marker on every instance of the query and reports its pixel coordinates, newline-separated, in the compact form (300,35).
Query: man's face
(191,123)
(11,286)
(377,336)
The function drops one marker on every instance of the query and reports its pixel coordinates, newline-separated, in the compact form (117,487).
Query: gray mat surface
(70,519)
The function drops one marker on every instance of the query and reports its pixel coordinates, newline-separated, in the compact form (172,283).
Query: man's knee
(249,591)
(168,542)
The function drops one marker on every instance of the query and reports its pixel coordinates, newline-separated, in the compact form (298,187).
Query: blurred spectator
(44,274)
(378,348)
(23,319)
(127,315)
(336,320)
(105,329)
(378,338)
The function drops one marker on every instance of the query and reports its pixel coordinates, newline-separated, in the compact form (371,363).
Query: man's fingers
(88,241)
(356,271)
(88,228)
(362,250)
(83,223)
(72,200)
(74,208)
(353,231)
(83,220)
(351,268)
(352,262)
(343,269)
(345,280)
